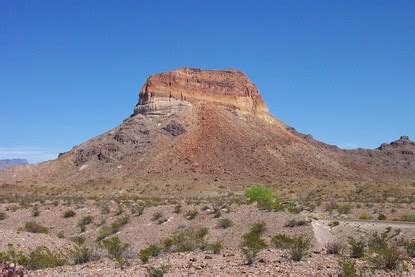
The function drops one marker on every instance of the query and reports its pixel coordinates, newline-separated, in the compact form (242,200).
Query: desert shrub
(263,196)
(39,258)
(119,210)
(215,247)
(347,268)
(344,209)
(334,247)
(381,217)
(177,209)
(157,271)
(191,214)
(408,217)
(334,224)
(35,211)
(137,210)
(113,228)
(157,216)
(61,235)
(34,227)
(365,216)
(105,209)
(187,240)
(2,216)
(300,247)
(115,249)
(151,251)
(388,258)
(295,223)
(379,241)
(78,240)
(410,248)
(81,254)
(224,223)
(258,227)
(86,220)
(252,242)
(293,208)
(68,214)
(282,241)
(357,247)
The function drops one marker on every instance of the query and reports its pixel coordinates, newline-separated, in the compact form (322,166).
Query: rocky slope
(198,127)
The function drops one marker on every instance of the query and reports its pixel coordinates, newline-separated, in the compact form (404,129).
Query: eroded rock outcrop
(177,90)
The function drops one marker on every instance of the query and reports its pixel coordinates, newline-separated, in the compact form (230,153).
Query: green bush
(252,242)
(68,214)
(187,240)
(81,254)
(224,223)
(147,253)
(2,216)
(357,247)
(264,197)
(78,240)
(347,269)
(408,217)
(113,228)
(410,248)
(388,258)
(300,247)
(365,216)
(282,241)
(34,227)
(379,241)
(215,247)
(115,248)
(39,258)
(344,209)
(137,210)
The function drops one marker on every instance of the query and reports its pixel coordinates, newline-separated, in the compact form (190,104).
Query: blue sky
(70,70)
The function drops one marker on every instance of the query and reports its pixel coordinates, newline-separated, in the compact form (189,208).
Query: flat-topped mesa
(180,88)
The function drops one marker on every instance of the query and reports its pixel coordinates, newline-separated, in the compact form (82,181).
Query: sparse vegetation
(365,216)
(151,251)
(177,209)
(191,214)
(357,247)
(84,221)
(187,240)
(215,247)
(36,211)
(348,268)
(68,214)
(334,248)
(157,271)
(408,217)
(296,223)
(34,227)
(264,197)
(115,249)
(224,223)
(253,243)
(381,217)
(39,258)
(298,245)
(2,216)
(81,254)
(410,248)
(113,228)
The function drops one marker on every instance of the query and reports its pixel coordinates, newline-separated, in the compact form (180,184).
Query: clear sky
(343,71)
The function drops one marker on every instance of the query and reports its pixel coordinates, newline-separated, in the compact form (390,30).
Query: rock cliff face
(178,89)
(195,128)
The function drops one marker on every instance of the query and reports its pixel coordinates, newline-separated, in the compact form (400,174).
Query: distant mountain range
(11,162)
